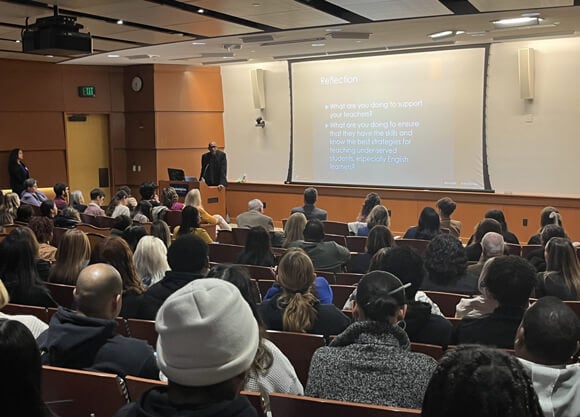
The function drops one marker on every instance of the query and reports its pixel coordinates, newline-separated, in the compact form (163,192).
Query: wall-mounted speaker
(526,73)
(258,92)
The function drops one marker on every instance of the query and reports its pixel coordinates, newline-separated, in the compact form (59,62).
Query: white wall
(533,146)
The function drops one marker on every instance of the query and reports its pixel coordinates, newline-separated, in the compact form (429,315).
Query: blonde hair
(296,278)
(12,202)
(378,215)
(4,297)
(193,198)
(73,254)
(150,259)
(294,228)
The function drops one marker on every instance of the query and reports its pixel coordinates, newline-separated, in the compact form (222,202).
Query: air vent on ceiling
(216,54)
(421,45)
(225,61)
(257,38)
(142,56)
(349,35)
(291,41)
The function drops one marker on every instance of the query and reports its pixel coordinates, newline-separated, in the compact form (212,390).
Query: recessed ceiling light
(517,21)
(113,56)
(120,22)
(441,34)
(318,44)
(256,4)
(17,41)
(49,56)
(201,11)
(334,30)
(198,43)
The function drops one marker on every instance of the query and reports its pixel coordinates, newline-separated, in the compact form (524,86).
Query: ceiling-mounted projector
(56,35)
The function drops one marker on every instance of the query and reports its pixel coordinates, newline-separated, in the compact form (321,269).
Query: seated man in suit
(31,194)
(255,216)
(545,342)
(510,281)
(87,338)
(309,209)
(326,256)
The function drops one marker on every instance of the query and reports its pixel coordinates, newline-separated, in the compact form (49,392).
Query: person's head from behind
(74,253)
(30,185)
(169,196)
(12,201)
(240,277)
(71,213)
(147,190)
(122,222)
(211,314)
(161,230)
(499,216)
(378,215)
(478,381)
(429,220)
(380,296)
(5,217)
(97,196)
(60,189)
(256,205)
(77,198)
(150,259)
(18,252)
(144,207)
(484,227)
(48,209)
(188,253)
(314,231)
(296,278)
(379,237)
(24,213)
(190,220)
(551,231)
(258,240)
(492,244)
(21,365)
(371,200)
(406,264)
(310,195)
(445,259)
(192,198)
(550,215)
(446,207)
(549,333)
(42,227)
(509,280)
(133,234)
(98,291)
(294,227)
(115,251)
(561,257)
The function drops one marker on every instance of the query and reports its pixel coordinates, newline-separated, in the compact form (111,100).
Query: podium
(213,200)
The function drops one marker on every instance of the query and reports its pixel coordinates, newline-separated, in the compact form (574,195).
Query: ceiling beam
(459,6)
(335,10)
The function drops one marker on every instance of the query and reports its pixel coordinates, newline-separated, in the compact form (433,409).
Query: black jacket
(311,212)
(79,342)
(423,327)
(214,168)
(18,174)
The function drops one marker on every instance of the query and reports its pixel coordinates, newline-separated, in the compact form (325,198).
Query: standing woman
(17,171)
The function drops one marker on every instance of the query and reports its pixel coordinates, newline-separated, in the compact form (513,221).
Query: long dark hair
(429,224)
(258,249)
(189,220)
(21,366)
(13,156)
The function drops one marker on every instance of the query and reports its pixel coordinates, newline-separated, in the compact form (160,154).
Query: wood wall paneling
(187,159)
(147,160)
(140,130)
(188,129)
(143,100)
(32,130)
(76,76)
(116,89)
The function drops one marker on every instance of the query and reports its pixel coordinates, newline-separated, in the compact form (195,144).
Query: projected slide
(405,120)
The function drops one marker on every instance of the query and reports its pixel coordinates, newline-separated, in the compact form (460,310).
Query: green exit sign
(87,91)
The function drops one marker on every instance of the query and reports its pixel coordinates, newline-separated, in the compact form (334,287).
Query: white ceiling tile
(393,9)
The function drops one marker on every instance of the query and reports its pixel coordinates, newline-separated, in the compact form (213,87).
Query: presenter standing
(17,171)
(214,167)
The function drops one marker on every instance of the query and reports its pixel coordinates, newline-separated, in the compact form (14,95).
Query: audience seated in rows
(97,199)
(271,370)
(43,230)
(492,245)
(370,361)
(133,234)
(190,224)
(474,250)
(150,260)
(193,199)
(31,194)
(19,269)
(87,338)
(498,215)
(11,204)
(379,237)
(562,276)
(258,249)
(48,209)
(170,199)
(322,291)
(5,219)
(20,364)
(545,343)
(510,281)
(309,208)
(77,201)
(148,192)
(371,200)
(446,265)
(74,253)
(33,323)
(537,256)
(296,308)
(61,195)
(160,229)
(255,217)
(188,259)
(208,340)
(24,213)
(478,381)
(116,252)
(68,218)
(294,229)
(118,205)
(548,215)
(379,215)
(446,206)
(142,212)
(325,255)
(428,226)
(121,223)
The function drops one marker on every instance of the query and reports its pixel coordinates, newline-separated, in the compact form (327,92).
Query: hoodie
(80,342)
(155,403)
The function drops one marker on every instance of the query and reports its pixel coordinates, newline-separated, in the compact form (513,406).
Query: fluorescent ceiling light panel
(517,21)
